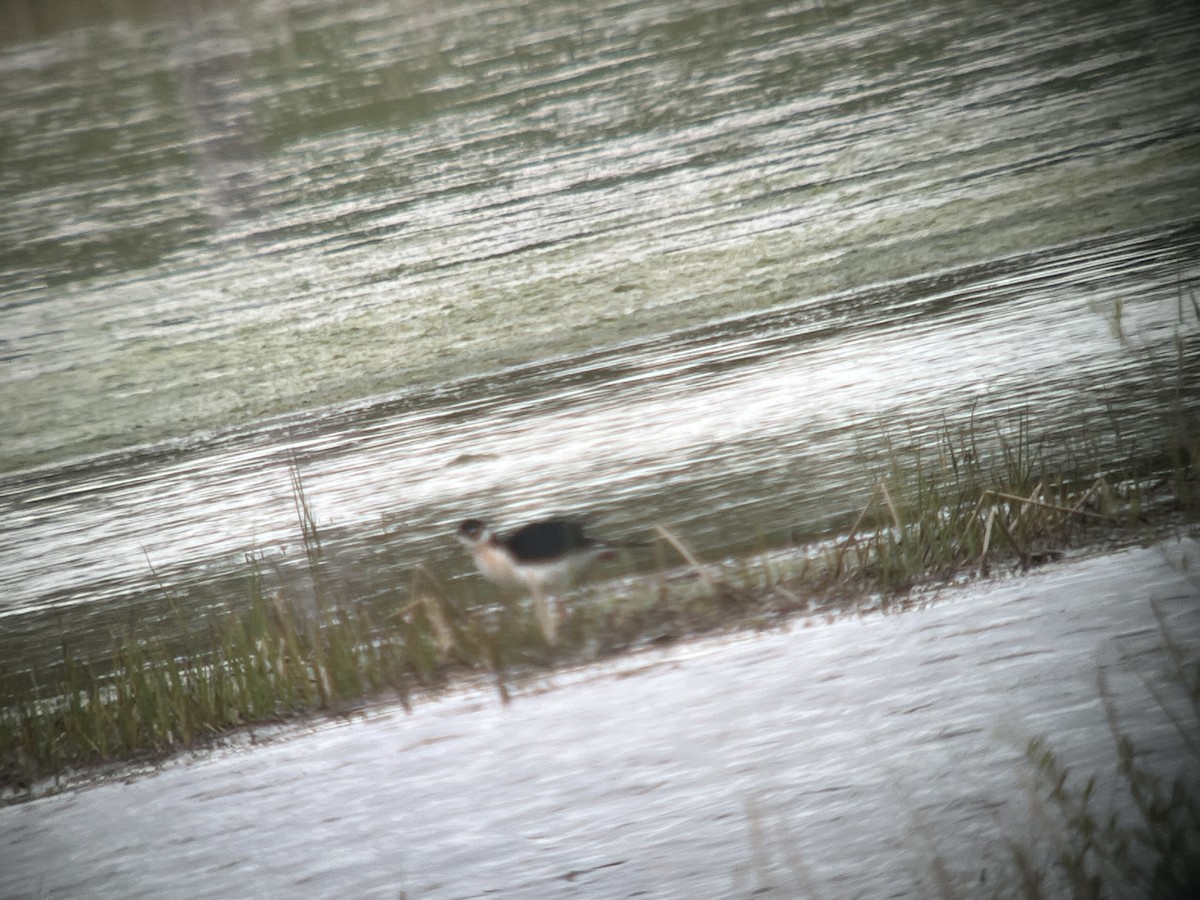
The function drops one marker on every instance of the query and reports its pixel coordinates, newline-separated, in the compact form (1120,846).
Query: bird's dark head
(473,532)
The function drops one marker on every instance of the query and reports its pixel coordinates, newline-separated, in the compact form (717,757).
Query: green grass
(960,506)
(259,665)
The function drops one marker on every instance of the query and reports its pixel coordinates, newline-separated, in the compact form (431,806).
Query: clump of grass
(260,664)
(963,506)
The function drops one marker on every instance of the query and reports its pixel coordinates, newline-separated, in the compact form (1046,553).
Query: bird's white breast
(497,566)
(540,577)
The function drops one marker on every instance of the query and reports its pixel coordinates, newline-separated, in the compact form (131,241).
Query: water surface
(658,262)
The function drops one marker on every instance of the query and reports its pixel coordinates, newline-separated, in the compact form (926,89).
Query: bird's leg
(546,619)
(559,612)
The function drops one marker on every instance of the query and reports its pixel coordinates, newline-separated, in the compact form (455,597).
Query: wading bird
(541,559)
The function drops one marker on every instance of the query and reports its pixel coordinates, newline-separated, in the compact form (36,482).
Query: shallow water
(846,759)
(217,217)
(770,425)
(662,263)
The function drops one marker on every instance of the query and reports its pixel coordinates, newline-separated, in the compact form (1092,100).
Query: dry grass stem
(688,557)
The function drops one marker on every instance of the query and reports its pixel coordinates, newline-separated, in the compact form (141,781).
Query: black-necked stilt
(541,559)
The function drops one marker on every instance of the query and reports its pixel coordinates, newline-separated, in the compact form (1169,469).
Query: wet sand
(857,757)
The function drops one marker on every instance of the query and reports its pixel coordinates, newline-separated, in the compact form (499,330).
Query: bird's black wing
(548,540)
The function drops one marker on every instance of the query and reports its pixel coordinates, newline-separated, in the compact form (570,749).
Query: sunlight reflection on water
(763,424)
(664,263)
